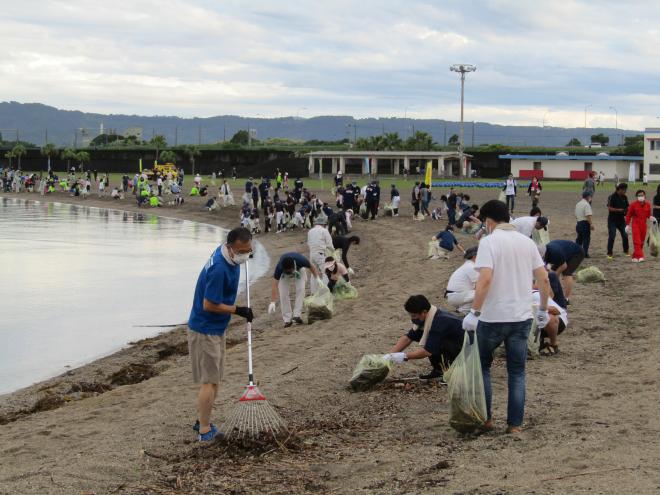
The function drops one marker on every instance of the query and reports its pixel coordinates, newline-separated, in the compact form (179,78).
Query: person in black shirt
(344,243)
(440,336)
(415,198)
(656,204)
(452,199)
(617,205)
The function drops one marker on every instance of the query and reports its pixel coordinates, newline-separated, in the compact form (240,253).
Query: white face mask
(641,198)
(241,258)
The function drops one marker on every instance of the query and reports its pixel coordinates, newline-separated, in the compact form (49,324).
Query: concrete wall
(651,156)
(560,169)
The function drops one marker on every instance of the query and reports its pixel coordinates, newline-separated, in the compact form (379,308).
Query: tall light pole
(462,69)
(585,114)
(616,118)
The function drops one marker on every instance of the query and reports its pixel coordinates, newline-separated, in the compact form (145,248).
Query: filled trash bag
(502,197)
(319,305)
(371,369)
(465,383)
(431,250)
(363,211)
(654,239)
(388,211)
(344,290)
(590,274)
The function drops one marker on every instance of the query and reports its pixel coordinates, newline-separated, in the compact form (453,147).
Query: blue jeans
(514,335)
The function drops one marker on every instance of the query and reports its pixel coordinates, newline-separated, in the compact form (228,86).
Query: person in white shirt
(225,194)
(527,225)
(507,262)
(557,323)
(319,242)
(510,189)
(460,288)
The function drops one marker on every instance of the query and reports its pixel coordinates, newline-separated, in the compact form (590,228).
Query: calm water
(76,281)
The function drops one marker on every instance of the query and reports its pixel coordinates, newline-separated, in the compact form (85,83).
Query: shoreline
(53,392)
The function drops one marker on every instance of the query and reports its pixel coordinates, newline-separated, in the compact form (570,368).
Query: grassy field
(405,186)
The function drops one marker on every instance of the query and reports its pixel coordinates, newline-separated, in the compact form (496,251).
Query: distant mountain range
(36,123)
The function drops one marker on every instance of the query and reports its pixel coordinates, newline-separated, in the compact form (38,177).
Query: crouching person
(334,271)
(443,243)
(557,323)
(440,337)
(460,288)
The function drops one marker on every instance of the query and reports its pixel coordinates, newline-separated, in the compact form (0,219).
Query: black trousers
(583,230)
(416,207)
(614,224)
(373,209)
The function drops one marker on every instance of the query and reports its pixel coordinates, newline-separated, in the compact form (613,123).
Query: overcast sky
(535,60)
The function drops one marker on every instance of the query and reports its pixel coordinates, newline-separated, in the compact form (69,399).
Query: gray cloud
(362,58)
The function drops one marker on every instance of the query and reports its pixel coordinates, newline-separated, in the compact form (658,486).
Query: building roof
(580,158)
(392,154)
(652,129)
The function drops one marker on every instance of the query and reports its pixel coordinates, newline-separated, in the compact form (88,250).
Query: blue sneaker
(209,436)
(196,426)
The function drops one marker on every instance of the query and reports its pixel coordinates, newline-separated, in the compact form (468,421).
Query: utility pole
(462,69)
(444,141)
(46,137)
(224,134)
(199,135)
(473,133)
(176,135)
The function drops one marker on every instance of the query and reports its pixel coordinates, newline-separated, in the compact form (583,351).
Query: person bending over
(439,334)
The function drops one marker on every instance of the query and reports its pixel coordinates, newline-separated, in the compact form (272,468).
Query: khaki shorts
(207,356)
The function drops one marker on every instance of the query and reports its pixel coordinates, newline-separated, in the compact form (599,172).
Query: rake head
(253,417)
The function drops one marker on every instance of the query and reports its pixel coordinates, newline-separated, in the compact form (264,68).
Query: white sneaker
(435,257)
(641,260)
(635,260)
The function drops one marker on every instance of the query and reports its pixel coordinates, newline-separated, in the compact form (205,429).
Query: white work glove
(351,271)
(271,308)
(396,357)
(542,318)
(470,322)
(628,230)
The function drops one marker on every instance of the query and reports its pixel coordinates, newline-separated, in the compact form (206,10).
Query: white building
(443,163)
(576,167)
(652,153)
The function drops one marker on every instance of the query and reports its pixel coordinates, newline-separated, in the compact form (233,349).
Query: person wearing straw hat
(213,304)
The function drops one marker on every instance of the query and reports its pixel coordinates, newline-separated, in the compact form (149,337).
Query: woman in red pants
(638,213)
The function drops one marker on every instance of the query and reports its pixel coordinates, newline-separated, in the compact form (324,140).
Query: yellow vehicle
(162,169)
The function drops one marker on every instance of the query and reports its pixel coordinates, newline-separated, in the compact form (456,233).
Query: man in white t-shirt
(510,189)
(527,225)
(507,262)
(460,288)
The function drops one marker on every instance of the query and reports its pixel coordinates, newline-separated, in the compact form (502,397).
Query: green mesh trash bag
(654,239)
(319,305)
(344,290)
(589,275)
(465,384)
(388,211)
(431,250)
(363,211)
(502,197)
(371,369)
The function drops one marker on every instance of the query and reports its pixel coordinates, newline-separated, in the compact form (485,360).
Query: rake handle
(249,324)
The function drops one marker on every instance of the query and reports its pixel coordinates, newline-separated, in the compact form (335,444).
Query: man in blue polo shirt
(564,258)
(443,243)
(289,268)
(213,305)
(440,336)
